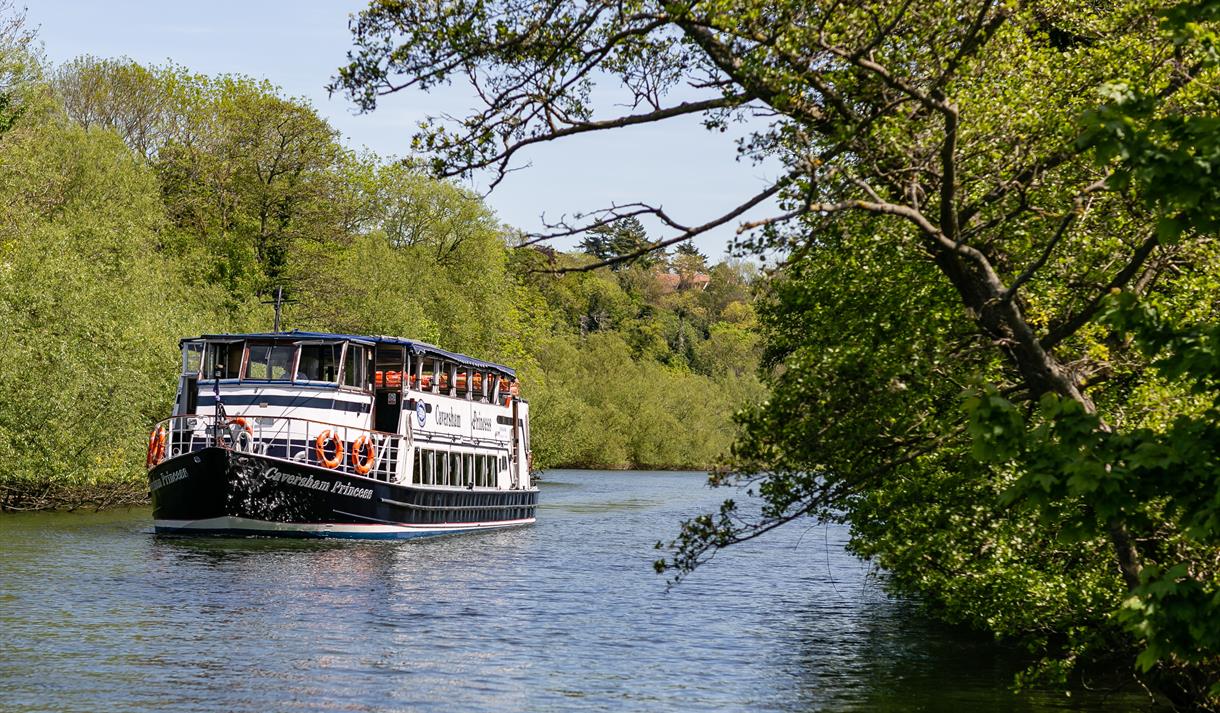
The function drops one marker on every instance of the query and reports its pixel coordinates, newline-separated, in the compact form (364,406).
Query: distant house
(671,282)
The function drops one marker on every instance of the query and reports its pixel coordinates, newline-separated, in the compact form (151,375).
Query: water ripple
(96,613)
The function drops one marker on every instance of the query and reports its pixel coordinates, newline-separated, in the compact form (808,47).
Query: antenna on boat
(279,302)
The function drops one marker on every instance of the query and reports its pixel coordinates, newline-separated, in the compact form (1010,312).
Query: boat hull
(216,491)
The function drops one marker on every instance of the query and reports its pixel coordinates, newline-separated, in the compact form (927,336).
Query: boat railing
(345,449)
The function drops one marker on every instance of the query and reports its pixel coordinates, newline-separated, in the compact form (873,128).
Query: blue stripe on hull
(328,403)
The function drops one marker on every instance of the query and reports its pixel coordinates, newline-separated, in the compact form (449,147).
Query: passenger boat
(306,434)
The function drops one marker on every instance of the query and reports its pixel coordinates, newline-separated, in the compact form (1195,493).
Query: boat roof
(413,345)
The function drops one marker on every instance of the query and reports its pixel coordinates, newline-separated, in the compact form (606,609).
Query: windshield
(270,362)
(222,359)
(319,362)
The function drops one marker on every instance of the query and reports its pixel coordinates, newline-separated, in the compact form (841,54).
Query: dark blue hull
(216,491)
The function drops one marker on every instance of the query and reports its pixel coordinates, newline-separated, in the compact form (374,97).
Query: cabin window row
(463,470)
(350,365)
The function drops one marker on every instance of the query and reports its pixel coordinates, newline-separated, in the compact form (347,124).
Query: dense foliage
(965,183)
(144,204)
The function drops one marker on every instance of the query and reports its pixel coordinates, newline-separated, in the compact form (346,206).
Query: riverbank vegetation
(139,205)
(991,347)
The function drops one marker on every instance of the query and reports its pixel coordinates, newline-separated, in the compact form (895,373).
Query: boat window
(272,362)
(427,376)
(192,358)
(445,378)
(455,469)
(420,470)
(355,367)
(222,359)
(319,362)
(389,368)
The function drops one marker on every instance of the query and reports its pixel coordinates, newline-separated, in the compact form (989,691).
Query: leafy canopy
(965,182)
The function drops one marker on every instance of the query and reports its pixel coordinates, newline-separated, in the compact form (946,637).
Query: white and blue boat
(306,434)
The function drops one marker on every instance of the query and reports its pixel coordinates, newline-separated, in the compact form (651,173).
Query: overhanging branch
(686,234)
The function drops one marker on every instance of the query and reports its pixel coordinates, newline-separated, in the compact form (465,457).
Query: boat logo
(421,411)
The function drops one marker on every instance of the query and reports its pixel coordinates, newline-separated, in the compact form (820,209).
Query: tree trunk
(999,316)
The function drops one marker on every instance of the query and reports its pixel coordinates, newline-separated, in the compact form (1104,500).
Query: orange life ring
(320,449)
(157,442)
(363,465)
(239,421)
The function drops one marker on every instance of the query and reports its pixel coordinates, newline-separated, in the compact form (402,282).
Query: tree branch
(1059,332)
(502,158)
(687,232)
(1028,274)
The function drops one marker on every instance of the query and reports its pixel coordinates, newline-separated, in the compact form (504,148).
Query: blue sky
(298,46)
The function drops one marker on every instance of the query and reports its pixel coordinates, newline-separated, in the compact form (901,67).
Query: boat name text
(448,418)
(308,481)
(168,478)
(482,423)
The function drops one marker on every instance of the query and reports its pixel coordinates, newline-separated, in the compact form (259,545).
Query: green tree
(944,229)
(18,65)
(91,312)
(688,262)
(621,238)
(134,101)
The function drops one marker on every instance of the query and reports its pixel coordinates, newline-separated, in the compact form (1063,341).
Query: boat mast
(279,302)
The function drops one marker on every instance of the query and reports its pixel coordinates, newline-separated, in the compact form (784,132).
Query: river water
(96,613)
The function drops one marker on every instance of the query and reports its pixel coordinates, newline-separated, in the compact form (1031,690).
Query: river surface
(97,613)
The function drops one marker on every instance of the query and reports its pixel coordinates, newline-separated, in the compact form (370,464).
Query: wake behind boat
(310,434)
